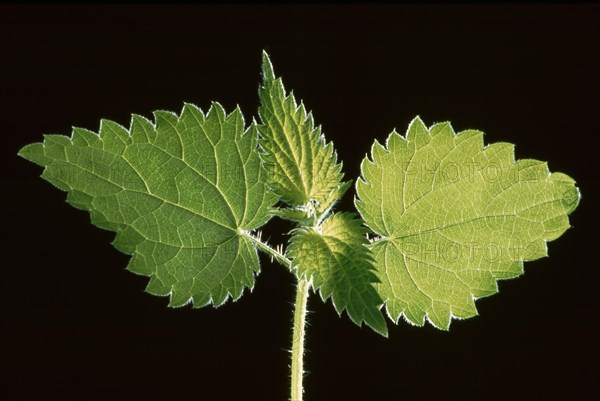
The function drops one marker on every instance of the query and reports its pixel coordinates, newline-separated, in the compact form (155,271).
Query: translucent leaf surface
(336,258)
(302,167)
(453,217)
(180,193)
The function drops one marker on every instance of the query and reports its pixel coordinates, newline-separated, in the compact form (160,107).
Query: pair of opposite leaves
(449,216)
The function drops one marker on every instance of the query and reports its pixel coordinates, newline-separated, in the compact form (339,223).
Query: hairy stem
(298,339)
(273,253)
(299,318)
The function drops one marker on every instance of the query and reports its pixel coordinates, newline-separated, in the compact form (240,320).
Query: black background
(76,325)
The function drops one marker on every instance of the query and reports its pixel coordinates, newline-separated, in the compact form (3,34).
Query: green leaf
(453,217)
(335,257)
(297,215)
(303,215)
(302,167)
(180,193)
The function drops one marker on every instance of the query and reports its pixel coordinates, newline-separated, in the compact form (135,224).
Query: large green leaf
(453,217)
(181,194)
(335,257)
(303,168)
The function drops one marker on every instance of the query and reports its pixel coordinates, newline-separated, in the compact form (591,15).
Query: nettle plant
(442,217)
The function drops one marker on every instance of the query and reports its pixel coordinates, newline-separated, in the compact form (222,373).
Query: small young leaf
(297,215)
(179,193)
(336,258)
(302,167)
(454,217)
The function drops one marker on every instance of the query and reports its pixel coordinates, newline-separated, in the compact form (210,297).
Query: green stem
(298,339)
(299,318)
(273,253)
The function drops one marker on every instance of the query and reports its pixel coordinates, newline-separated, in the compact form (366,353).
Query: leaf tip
(191,110)
(380,327)
(26,150)
(217,108)
(267,67)
(33,152)
(417,121)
